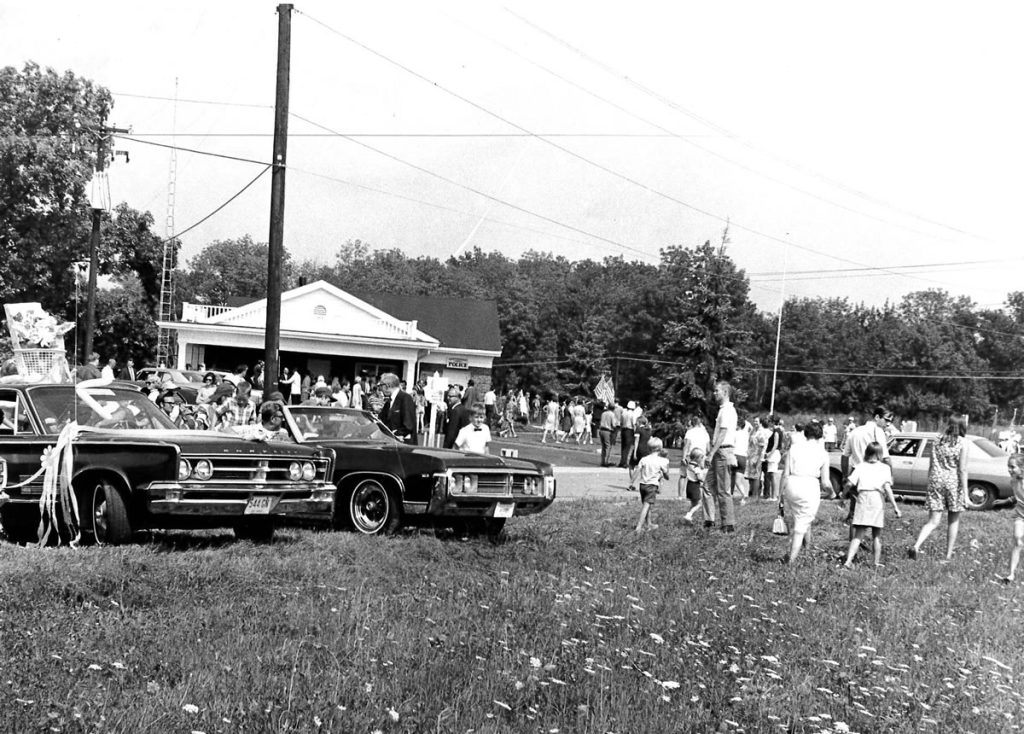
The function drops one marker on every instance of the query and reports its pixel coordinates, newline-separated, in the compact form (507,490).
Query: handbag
(779,525)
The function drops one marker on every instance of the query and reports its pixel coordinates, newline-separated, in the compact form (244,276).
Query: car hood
(460,460)
(198,441)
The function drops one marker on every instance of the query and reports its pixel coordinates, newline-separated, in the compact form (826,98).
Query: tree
(124,323)
(706,329)
(48,128)
(235,268)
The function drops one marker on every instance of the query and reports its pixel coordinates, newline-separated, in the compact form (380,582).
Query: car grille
(251,470)
(492,483)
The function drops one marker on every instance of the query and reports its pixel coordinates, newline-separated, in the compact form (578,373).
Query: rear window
(987,448)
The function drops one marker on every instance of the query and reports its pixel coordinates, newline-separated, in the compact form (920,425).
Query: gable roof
(457,323)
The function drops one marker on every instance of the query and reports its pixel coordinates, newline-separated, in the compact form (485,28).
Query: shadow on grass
(176,541)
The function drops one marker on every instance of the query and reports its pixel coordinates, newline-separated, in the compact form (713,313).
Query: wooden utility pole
(275,257)
(94,240)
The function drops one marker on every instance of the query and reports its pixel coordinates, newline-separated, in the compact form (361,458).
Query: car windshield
(338,424)
(188,376)
(99,407)
(988,448)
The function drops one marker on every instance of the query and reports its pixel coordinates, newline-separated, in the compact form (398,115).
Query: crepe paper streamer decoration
(58,499)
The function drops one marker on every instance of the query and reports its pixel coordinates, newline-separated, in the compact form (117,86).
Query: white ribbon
(58,498)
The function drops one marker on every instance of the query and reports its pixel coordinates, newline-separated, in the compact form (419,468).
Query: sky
(859,150)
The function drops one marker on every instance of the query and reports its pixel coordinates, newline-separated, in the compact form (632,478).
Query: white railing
(200,312)
(397,328)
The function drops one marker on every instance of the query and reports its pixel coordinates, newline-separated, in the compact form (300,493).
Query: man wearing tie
(128,371)
(458,418)
(399,412)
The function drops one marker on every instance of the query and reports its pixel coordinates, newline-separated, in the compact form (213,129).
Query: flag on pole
(605,390)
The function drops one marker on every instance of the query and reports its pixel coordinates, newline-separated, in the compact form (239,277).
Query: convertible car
(133,470)
(384,483)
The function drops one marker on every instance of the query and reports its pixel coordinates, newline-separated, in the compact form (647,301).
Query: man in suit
(128,371)
(399,411)
(459,416)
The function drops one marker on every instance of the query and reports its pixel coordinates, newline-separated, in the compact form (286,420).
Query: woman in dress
(579,419)
(804,479)
(550,420)
(947,485)
(524,407)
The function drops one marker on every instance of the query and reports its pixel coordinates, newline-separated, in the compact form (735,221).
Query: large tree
(49,127)
(225,269)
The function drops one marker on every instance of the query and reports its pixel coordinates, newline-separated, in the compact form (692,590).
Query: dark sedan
(384,483)
(133,470)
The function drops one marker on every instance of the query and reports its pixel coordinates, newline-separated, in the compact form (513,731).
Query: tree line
(664,331)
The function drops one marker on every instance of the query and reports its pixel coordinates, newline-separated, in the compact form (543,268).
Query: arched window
(320,311)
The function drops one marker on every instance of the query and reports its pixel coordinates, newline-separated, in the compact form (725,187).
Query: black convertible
(384,483)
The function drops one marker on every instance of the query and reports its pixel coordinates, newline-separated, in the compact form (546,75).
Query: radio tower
(165,346)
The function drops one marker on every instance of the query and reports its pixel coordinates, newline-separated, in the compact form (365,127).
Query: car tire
(257,531)
(980,496)
(108,514)
(373,509)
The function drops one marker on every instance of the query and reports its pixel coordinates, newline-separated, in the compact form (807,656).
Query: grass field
(570,623)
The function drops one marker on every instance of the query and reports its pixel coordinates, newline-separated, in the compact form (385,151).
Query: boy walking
(651,470)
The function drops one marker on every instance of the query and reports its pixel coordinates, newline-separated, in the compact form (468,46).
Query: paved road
(578,468)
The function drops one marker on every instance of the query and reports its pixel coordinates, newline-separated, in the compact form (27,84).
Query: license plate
(261,505)
(504,509)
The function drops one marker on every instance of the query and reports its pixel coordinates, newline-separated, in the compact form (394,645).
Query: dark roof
(458,323)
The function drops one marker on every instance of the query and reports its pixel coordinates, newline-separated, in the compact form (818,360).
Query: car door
(21,446)
(904,452)
(920,480)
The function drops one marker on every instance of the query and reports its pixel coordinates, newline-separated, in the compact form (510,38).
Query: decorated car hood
(460,460)
(199,441)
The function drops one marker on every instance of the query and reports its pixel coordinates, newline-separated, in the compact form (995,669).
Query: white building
(326,331)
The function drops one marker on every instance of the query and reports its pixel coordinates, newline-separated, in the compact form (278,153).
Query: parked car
(987,476)
(187,387)
(383,483)
(139,472)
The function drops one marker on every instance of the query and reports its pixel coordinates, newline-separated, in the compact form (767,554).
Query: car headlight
(308,471)
(464,483)
(295,471)
(203,470)
(184,469)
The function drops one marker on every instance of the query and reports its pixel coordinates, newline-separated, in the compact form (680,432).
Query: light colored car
(987,476)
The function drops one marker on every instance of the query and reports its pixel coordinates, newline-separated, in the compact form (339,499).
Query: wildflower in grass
(393,715)
(657,638)
(190,708)
(534,662)
(94,666)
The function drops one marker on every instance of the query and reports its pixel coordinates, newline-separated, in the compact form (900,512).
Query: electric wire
(241,191)
(723,131)
(588,161)
(708,151)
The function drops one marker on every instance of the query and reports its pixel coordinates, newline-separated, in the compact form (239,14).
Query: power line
(194,150)
(893,267)
(586,160)
(235,196)
(459,135)
(471,189)
(195,101)
(671,133)
(718,128)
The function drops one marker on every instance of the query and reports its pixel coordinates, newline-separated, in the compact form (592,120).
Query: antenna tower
(165,344)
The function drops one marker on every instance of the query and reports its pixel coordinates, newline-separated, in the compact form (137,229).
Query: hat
(631,405)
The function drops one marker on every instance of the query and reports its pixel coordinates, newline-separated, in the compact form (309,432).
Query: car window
(15,420)
(338,424)
(982,447)
(904,446)
(57,406)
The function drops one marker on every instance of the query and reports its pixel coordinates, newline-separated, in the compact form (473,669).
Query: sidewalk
(576,482)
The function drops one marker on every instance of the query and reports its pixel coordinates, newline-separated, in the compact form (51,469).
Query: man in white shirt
(627,428)
(490,399)
(718,485)
(474,437)
(107,373)
(830,434)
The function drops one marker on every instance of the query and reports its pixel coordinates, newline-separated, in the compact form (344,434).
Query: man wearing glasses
(858,440)
(173,409)
(271,425)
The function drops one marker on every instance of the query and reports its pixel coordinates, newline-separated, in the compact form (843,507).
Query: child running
(873,481)
(693,474)
(652,469)
(1015,465)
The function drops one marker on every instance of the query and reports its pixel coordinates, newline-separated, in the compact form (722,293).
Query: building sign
(457,364)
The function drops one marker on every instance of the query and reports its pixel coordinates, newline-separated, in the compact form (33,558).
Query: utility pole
(94,241)
(275,257)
